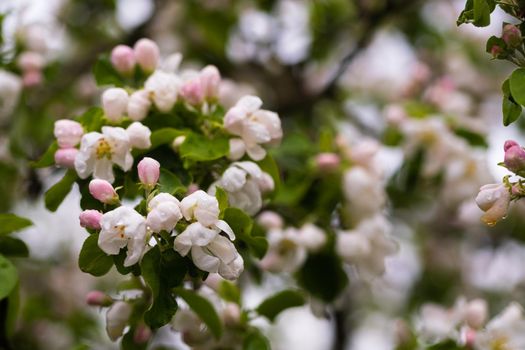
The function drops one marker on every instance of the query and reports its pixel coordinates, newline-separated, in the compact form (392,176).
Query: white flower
(123,227)
(237,149)
(117,318)
(435,323)
(244,182)
(163,87)
(139,135)
(254,125)
(164,213)
(367,245)
(99,151)
(209,250)
(10,88)
(494,200)
(363,191)
(205,209)
(115,103)
(311,237)
(138,105)
(285,251)
(505,331)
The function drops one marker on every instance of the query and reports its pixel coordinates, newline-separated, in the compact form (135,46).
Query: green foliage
(242,225)
(163,136)
(322,275)
(222,198)
(56,194)
(13,247)
(473,138)
(170,183)
(256,341)
(92,259)
(477,12)
(92,119)
(8,277)
(268,165)
(274,305)
(48,158)
(201,148)
(204,309)
(517,85)
(510,108)
(105,74)
(229,292)
(10,223)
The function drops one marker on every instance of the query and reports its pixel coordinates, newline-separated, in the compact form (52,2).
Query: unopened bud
(327,162)
(115,103)
(511,35)
(68,133)
(90,219)
(65,157)
(142,334)
(149,172)
(98,298)
(147,54)
(231,314)
(139,135)
(270,220)
(117,319)
(139,105)
(237,149)
(31,61)
(514,156)
(192,91)
(103,191)
(476,313)
(210,82)
(495,51)
(123,59)
(32,78)
(178,141)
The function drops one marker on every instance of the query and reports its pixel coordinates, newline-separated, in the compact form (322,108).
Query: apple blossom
(123,227)
(285,251)
(512,35)
(123,59)
(164,213)
(363,191)
(90,219)
(505,331)
(476,313)
(115,103)
(327,162)
(147,54)
(494,200)
(514,156)
(270,220)
(68,133)
(192,91)
(205,209)
(255,126)
(102,191)
(237,149)
(139,135)
(31,61)
(139,104)
(210,79)
(99,151)
(163,88)
(149,172)
(117,318)
(65,157)
(311,237)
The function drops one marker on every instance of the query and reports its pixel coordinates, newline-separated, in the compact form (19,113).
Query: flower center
(103,149)
(120,231)
(286,245)
(499,343)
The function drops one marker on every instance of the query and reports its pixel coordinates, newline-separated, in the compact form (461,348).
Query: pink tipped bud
(32,78)
(495,51)
(123,59)
(98,298)
(31,61)
(210,81)
(149,172)
(192,91)
(142,334)
(90,219)
(193,187)
(68,133)
(514,156)
(327,161)
(65,157)
(147,54)
(103,191)
(511,35)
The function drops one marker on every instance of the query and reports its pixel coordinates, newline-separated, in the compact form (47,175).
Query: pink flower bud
(103,191)
(231,314)
(327,161)
(270,220)
(192,92)
(193,187)
(68,133)
(149,172)
(147,54)
(123,59)
(90,219)
(210,82)
(511,35)
(476,313)
(495,51)
(98,298)
(514,156)
(142,334)
(32,78)
(65,157)
(31,61)
(115,103)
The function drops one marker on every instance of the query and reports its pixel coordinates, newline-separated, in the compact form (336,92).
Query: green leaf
(8,277)
(511,111)
(105,74)
(164,136)
(11,223)
(48,158)
(473,138)
(482,13)
(200,148)
(517,85)
(13,247)
(204,309)
(56,194)
(229,292)
(242,225)
(256,341)
(322,275)
(222,198)
(279,302)
(92,259)
(92,119)
(170,183)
